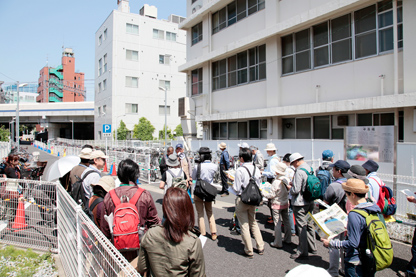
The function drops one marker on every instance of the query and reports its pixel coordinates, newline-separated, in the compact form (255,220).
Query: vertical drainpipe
(395,49)
(210,76)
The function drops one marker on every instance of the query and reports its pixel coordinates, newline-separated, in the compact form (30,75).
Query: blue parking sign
(106,128)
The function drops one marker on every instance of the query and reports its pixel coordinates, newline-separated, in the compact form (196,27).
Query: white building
(301,69)
(135,54)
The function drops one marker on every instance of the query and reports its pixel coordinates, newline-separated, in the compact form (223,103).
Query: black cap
(204,150)
(341,164)
(370,165)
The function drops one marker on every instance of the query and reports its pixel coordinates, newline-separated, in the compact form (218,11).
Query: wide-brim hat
(106,182)
(295,156)
(355,186)
(356,171)
(279,168)
(172,160)
(222,145)
(98,154)
(85,153)
(204,150)
(270,147)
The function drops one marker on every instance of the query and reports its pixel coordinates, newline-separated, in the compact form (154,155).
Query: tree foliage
(143,130)
(122,131)
(4,134)
(179,131)
(168,133)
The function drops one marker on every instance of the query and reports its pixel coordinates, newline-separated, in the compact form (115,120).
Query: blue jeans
(352,270)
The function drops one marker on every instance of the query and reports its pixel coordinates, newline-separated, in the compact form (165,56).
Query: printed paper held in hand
(110,219)
(330,222)
(407,192)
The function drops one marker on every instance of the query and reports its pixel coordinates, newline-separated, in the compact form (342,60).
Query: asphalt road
(222,257)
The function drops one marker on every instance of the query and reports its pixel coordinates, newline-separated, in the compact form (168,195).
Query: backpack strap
(360,212)
(96,202)
(198,172)
(114,197)
(376,181)
(136,196)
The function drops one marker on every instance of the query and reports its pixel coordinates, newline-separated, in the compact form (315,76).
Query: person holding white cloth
(278,196)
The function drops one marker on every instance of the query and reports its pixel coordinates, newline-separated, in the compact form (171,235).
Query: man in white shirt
(246,214)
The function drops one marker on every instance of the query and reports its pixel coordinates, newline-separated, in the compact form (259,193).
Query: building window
(131,108)
(196,81)
(321,127)
(132,29)
(100,67)
(245,67)
(99,111)
(252,129)
(158,34)
(99,87)
(100,39)
(162,110)
(104,109)
(164,84)
(105,34)
(105,63)
(132,55)
(170,36)
(233,12)
(197,33)
(164,59)
(132,82)
(105,84)
(332,41)
(378,119)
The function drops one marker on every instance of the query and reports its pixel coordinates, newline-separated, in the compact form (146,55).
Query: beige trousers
(200,205)
(246,215)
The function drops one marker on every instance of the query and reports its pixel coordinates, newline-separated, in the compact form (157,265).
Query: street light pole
(17,118)
(72,132)
(166,118)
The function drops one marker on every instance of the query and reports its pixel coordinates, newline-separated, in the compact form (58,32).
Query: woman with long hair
(173,249)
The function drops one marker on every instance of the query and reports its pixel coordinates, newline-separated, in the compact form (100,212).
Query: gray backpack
(178,181)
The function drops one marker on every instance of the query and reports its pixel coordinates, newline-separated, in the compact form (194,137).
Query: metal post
(166,118)
(17,117)
(78,210)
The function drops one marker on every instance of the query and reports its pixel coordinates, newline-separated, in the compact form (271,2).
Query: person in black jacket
(163,167)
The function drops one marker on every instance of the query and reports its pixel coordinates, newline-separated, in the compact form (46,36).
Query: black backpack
(78,193)
(251,194)
(203,189)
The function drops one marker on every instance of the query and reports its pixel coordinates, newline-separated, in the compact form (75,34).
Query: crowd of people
(170,246)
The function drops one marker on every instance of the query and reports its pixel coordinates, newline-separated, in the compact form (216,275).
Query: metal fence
(28,214)
(83,249)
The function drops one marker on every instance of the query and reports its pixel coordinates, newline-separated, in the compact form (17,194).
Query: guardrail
(42,215)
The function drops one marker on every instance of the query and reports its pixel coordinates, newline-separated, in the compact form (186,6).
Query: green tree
(4,134)
(143,130)
(179,131)
(122,131)
(168,133)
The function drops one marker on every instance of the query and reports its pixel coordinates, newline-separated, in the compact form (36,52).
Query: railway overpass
(55,117)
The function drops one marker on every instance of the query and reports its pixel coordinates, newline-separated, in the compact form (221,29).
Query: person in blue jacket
(355,189)
(224,166)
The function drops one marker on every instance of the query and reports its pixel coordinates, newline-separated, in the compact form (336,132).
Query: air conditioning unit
(186,107)
(197,7)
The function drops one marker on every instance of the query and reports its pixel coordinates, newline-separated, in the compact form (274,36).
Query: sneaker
(272,244)
(297,255)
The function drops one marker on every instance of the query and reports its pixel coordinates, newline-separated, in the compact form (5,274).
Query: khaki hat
(172,160)
(106,182)
(355,186)
(222,145)
(279,168)
(270,147)
(85,153)
(295,157)
(98,154)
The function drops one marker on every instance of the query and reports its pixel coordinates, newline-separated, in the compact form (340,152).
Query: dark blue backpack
(324,177)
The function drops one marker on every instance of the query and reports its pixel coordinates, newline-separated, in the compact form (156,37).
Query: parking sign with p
(106,128)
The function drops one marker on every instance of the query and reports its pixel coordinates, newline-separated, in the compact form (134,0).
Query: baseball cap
(341,164)
(370,165)
(327,154)
(179,145)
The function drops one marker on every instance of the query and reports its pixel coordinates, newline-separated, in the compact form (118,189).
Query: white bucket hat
(294,157)
(244,145)
(270,147)
(279,168)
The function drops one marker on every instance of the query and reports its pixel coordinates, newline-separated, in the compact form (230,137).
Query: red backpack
(126,222)
(386,201)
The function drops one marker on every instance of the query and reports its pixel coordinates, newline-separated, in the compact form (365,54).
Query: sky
(33,32)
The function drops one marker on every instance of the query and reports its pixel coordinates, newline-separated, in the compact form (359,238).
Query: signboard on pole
(106,128)
(370,142)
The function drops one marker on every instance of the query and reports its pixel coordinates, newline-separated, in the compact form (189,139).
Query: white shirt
(92,178)
(242,177)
